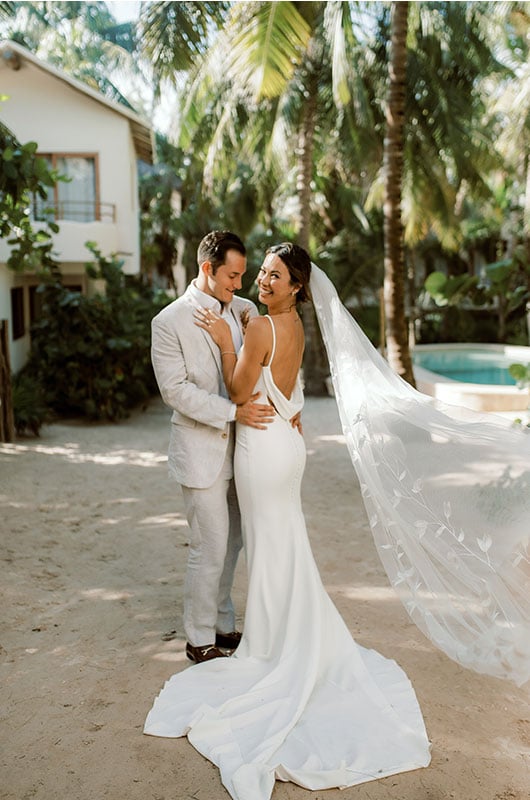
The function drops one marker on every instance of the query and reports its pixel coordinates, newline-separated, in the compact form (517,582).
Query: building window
(77,198)
(17,312)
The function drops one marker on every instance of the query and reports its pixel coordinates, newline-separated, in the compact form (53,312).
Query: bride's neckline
(287,311)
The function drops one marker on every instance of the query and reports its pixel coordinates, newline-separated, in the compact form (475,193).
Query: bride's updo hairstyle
(298,263)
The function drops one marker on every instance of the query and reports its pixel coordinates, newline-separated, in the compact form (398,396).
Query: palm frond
(335,21)
(7,9)
(174,35)
(267,40)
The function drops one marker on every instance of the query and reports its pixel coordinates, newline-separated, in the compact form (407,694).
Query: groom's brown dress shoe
(204,653)
(229,641)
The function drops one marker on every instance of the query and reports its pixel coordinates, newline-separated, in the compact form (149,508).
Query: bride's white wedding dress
(299,700)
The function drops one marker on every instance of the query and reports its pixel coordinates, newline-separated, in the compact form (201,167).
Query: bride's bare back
(288,352)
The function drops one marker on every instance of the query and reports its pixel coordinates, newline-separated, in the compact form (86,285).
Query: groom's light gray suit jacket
(187,365)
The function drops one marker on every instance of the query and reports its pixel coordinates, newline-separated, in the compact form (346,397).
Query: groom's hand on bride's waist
(256,415)
(296,422)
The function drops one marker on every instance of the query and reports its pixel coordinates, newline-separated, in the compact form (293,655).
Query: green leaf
(520,373)
(435,283)
(92,271)
(269,40)
(118,344)
(31,148)
(499,271)
(9,170)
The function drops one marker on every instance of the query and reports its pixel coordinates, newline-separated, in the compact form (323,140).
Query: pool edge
(476,396)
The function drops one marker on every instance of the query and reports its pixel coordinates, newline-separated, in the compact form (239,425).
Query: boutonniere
(244,318)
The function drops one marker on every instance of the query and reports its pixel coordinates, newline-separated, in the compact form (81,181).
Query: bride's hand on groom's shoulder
(244,318)
(213,324)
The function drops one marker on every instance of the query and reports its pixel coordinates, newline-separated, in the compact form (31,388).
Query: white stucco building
(96,143)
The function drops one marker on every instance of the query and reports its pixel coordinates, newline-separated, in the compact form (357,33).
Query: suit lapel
(215,351)
(211,344)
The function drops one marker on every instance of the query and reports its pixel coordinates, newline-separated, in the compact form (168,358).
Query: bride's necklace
(287,311)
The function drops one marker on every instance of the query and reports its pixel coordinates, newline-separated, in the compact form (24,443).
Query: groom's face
(227,278)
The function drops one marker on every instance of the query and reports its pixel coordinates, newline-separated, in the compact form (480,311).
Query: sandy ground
(93,558)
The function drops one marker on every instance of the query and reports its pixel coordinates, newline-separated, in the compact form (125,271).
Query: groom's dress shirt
(226,312)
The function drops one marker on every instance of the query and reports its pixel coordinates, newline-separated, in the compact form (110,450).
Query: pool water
(469,366)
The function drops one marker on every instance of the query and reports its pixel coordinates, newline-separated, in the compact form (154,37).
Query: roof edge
(141,130)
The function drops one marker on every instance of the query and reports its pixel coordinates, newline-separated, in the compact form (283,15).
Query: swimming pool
(472,375)
(469,365)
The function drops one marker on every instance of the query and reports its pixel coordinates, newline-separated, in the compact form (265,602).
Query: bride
(448,500)
(299,700)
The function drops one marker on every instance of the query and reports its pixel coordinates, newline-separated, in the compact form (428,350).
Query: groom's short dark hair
(215,245)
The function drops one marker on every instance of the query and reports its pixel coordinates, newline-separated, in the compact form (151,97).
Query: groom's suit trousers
(215,542)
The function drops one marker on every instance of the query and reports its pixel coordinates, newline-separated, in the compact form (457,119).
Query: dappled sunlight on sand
(438,602)
(72,453)
(173,650)
(171,519)
(105,594)
(124,500)
(4,500)
(507,748)
(371,593)
(312,444)
(171,656)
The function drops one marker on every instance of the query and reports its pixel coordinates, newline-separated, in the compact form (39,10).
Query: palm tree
(511,102)
(397,348)
(447,144)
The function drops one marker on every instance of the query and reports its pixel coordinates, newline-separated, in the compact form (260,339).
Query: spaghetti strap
(273,339)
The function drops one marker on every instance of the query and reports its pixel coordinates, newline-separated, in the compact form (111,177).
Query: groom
(188,370)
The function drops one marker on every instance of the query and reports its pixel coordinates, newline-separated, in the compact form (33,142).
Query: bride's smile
(276,290)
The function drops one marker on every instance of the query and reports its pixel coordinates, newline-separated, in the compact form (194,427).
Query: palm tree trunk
(398,352)
(316,368)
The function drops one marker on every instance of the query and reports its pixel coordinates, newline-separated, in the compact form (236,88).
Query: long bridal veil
(448,499)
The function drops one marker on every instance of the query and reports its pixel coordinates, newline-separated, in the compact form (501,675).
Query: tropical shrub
(91,355)
(29,407)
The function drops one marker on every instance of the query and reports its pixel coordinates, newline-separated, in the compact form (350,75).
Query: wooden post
(7,420)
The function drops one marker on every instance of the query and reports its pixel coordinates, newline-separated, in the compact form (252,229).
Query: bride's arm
(242,372)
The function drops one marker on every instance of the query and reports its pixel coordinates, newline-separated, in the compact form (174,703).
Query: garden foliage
(90,356)
(24,174)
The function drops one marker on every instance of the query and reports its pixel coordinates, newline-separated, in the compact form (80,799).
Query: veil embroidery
(447,494)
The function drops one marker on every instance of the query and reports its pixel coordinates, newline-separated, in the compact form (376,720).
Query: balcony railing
(74,211)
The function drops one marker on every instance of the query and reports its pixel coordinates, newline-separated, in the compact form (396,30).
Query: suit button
(224,435)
